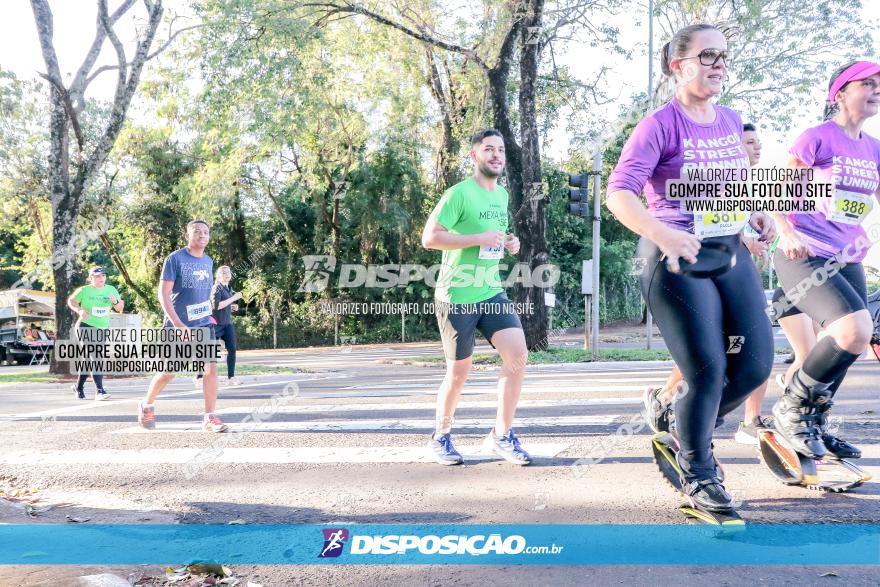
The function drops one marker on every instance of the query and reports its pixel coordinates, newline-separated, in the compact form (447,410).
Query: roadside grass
(568,355)
(564,355)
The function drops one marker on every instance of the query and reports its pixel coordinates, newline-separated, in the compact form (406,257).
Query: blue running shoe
(442,451)
(507,447)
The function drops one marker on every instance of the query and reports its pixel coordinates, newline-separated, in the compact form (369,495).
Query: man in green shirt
(92,304)
(469,224)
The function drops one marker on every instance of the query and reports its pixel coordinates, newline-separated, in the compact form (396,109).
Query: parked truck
(27,326)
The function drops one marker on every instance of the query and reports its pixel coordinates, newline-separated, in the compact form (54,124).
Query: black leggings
(96,377)
(226,332)
(718,334)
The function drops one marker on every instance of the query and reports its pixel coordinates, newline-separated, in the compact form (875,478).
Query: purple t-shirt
(850,164)
(668,141)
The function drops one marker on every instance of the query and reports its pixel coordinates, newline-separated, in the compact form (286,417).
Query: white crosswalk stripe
(386,424)
(376,454)
(587,399)
(465,405)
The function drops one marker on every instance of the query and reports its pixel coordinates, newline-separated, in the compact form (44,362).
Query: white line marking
(490,382)
(384,407)
(385,424)
(161,456)
(486,389)
(91,404)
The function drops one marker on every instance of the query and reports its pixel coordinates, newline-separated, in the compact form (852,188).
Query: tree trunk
(237,247)
(447,155)
(66,189)
(531,216)
(64,257)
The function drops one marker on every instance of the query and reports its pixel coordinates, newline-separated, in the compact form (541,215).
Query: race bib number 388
(849,207)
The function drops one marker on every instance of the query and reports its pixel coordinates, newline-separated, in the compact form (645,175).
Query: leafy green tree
(781,50)
(74,158)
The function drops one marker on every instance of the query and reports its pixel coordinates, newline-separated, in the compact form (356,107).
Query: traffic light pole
(579,205)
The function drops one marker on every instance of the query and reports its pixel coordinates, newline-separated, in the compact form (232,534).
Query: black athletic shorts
(782,307)
(823,289)
(459,323)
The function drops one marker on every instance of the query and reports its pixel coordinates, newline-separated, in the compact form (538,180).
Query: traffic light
(578,195)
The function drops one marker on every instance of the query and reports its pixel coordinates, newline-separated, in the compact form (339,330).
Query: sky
(75,25)
(74,31)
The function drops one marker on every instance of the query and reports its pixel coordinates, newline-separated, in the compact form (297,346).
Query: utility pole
(649,320)
(650,53)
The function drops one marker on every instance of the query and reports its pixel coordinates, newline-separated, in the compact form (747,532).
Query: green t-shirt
(96,301)
(470,275)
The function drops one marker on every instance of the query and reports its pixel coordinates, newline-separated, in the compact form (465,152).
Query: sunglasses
(710,57)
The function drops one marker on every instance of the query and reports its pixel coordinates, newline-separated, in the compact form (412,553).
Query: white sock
(443,426)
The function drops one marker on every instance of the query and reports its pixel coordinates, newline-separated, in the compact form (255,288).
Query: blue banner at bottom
(389,544)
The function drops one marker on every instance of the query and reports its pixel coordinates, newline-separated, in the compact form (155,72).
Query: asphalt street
(341,437)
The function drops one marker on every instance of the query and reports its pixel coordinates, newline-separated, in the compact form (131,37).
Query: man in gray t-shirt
(192,278)
(185,295)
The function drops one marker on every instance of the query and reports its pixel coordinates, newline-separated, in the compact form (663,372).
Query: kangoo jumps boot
(836,446)
(796,414)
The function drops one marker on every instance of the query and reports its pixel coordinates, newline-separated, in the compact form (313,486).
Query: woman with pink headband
(818,260)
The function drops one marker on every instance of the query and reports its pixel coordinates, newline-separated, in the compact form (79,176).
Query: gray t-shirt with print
(193,278)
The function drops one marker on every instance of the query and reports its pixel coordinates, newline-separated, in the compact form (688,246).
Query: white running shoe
(748,433)
(506,447)
(233,381)
(212,423)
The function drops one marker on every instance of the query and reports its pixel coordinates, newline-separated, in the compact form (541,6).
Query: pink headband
(855,72)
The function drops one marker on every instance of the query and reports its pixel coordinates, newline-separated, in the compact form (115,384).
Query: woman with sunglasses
(699,318)
(818,260)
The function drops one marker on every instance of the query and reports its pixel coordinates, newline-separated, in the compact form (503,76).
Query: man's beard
(488,171)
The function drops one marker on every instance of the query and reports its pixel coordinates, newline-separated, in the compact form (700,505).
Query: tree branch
(344,7)
(68,107)
(57,156)
(81,80)
(164,46)
(124,92)
(118,47)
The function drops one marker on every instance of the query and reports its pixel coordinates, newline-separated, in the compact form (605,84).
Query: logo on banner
(318,270)
(334,540)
